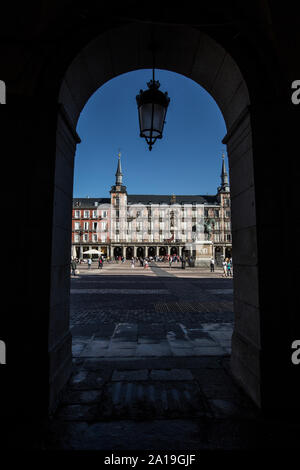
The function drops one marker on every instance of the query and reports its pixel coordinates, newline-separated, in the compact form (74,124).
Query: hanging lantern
(152,110)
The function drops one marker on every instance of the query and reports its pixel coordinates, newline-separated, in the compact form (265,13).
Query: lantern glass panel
(159,116)
(145,113)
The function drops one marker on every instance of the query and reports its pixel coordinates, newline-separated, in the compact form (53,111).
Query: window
(227,214)
(85,225)
(95,225)
(76,238)
(228,237)
(94,214)
(205,212)
(77,225)
(217,213)
(104,214)
(85,237)
(77,214)
(86,214)
(95,237)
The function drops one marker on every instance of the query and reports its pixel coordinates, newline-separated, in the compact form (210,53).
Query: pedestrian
(132,263)
(73,266)
(229,273)
(89,263)
(170,261)
(100,263)
(146,265)
(224,264)
(212,265)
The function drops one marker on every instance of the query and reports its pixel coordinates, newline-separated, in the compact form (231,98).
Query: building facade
(141,225)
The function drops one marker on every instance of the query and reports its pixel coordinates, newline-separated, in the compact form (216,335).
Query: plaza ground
(151,366)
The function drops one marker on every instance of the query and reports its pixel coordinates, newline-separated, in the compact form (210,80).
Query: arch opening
(209,65)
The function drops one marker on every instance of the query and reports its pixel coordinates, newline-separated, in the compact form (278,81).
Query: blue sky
(187,160)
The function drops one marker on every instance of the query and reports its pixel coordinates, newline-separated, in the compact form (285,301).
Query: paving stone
(145,340)
(81,396)
(208,351)
(130,375)
(226,408)
(119,343)
(86,380)
(202,342)
(221,335)
(173,374)
(157,349)
(128,435)
(95,348)
(147,400)
(78,412)
(77,348)
(79,377)
(179,343)
(118,352)
(189,352)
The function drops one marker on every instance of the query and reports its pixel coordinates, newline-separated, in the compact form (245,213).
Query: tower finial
(224,176)
(119,173)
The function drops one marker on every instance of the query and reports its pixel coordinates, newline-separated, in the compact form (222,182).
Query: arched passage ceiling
(181,49)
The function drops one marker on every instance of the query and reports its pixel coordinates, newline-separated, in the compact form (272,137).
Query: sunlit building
(140,225)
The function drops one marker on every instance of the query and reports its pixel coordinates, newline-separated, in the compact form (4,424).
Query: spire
(224,177)
(119,173)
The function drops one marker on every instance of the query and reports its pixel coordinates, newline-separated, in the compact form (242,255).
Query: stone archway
(117,251)
(129,252)
(208,64)
(140,252)
(151,251)
(162,251)
(196,55)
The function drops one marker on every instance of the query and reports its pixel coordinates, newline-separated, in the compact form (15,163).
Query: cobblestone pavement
(151,366)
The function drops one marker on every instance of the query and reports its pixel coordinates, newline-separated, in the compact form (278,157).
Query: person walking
(170,261)
(73,266)
(229,273)
(212,265)
(89,263)
(100,263)
(132,263)
(224,264)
